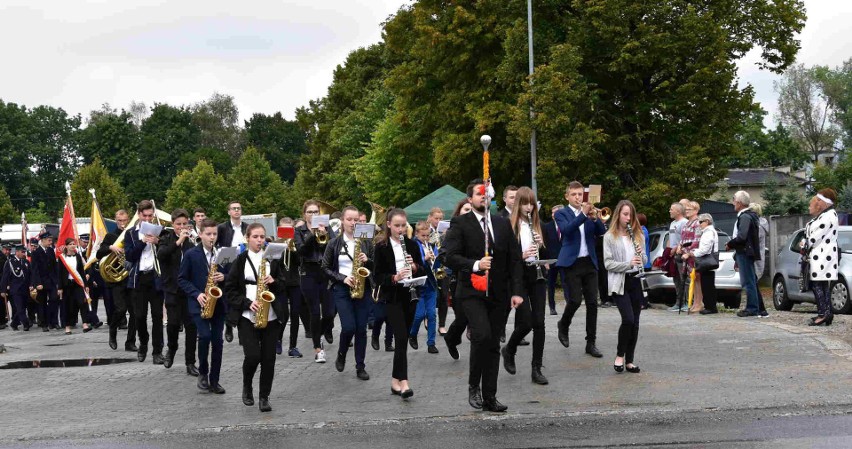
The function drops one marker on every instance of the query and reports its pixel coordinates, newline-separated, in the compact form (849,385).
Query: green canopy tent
(446,198)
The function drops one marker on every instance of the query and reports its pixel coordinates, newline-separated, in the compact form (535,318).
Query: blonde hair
(615,225)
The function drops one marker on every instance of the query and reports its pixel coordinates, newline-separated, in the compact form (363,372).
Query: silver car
(661,288)
(785,280)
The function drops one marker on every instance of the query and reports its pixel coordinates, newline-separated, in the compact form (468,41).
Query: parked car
(785,280)
(661,287)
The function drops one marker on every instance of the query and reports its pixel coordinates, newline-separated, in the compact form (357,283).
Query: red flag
(68,229)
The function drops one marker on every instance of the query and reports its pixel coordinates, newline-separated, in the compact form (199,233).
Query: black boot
(508,360)
(537,377)
(248,397)
(264,406)
(474,397)
(493,405)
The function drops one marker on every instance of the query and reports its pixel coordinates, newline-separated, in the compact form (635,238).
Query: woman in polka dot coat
(821,236)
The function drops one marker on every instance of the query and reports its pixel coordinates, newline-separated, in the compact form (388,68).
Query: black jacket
(747,240)
(466,244)
(552,243)
(62,280)
(226,233)
(170,255)
(43,265)
(235,290)
(330,262)
(310,251)
(385,269)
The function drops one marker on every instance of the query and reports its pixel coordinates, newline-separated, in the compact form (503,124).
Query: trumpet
(604,213)
(321,236)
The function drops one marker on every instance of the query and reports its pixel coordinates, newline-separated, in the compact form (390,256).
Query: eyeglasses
(311,212)
(236,208)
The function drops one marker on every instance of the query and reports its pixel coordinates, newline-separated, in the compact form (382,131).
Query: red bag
(667,263)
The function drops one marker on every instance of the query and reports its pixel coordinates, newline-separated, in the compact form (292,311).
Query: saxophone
(359,273)
(212,292)
(264,297)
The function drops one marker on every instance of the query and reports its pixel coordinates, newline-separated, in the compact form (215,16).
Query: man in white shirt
(231,233)
(143,282)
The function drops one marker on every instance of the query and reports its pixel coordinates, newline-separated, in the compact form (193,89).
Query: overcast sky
(269,55)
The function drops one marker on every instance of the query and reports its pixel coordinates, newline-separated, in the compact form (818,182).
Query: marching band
(481,264)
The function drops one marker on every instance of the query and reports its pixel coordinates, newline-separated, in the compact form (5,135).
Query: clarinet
(412,290)
(538,271)
(638,251)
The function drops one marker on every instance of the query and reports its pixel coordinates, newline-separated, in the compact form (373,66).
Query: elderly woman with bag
(823,255)
(706,258)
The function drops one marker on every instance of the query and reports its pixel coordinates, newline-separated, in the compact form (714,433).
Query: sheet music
(317,220)
(274,251)
(415,282)
(443,225)
(225,255)
(364,230)
(150,229)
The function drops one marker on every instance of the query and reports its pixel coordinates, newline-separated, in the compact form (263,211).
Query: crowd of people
(483,265)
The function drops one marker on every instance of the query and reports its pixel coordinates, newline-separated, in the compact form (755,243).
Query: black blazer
(235,290)
(170,255)
(330,262)
(466,244)
(43,267)
(62,281)
(552,243)
(226,233)
(310,251)
(505,213)
(385,269)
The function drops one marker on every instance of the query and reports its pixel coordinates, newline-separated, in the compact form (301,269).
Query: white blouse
(526,239)
(398,255)
(251,289)
(344,262)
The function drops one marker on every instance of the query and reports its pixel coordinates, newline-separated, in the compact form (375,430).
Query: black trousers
(582,283)
(144,294)
(529,316)
(122,305)
(315,291)
(553,275)
(74,302)
(459,324)
(629,306)
(295,301)
(485,318)
(708,290)
(178,312)
(443,301)
(400,317)
(259,349)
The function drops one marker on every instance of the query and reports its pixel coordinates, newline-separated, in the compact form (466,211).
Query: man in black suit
(44,279)
(231,233)
(553,242)
(484,307)
(508,201)
(15,286)
(121,302)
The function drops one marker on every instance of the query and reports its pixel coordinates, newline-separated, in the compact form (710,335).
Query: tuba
(212,292)
(264,297)
(359,273)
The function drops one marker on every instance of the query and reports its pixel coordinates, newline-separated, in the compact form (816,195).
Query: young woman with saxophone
(529,316)
(194,278)
(347,264)
(249,281)
(395,263)
(624,256)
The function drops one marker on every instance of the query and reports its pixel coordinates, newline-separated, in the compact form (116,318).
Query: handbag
(708,262)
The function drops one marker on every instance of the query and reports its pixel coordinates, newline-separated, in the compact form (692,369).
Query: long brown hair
(386,229)
(615,226)
(524,196)
(459,206)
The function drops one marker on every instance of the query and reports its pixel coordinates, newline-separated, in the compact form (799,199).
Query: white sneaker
(320,357)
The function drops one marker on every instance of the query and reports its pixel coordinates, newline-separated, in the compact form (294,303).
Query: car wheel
(779,295)
(840,297)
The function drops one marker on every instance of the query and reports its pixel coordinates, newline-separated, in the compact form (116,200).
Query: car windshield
(844,239)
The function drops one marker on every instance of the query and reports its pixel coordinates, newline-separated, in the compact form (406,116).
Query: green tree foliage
(784,200)
(15,175)
(259,189)
(759,148)
(200,186)
(167,135)
(804,108)
(836,85)
(8,213)
(111,137)
(844,202)
(110,194)
(218,121)
(40,214)
(281,141)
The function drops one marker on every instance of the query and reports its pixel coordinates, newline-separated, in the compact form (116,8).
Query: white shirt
(628,248)
(479,218)
(526,239)
(238,237)
(584,252)
(208,256)
(344,263)
(146,262)
(71,262)
(251,290)
(398,256)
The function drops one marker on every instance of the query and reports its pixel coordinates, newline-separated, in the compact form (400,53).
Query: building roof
(759,177)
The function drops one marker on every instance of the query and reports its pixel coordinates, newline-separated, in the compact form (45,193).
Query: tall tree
(8,213)
(281,141)
(836,85)
(805,110)
(260,190)
(217,118)
(109,192)
(200,186)
(15,172)
(758,148)
(113,138)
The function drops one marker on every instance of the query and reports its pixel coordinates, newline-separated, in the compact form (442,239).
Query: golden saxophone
(264,298)
(212,292)
(359,273)
(435,239)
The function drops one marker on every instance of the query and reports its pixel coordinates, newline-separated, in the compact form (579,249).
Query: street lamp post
(533,156)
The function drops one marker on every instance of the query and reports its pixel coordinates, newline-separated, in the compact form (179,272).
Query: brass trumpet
(604,213)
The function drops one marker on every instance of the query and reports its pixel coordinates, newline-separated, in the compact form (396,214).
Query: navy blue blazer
(43,266)
(192,279)
(10,282)
(552,243)
(569,226)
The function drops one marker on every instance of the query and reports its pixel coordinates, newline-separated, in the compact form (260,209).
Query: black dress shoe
(592,350)
(474,396)
(374,342)
(113,344)
(362,374)
(553,312)
(389,347)
(202,383)
(158,359)
(191,370)
(407,393)
(87,329)
(217,389)
(432,349)
(131,347)
(452,349)
(395,392)
(263,405)
(141,354)
(329,337)
(98,324)
(537,377)
(248,397)
(229,334)
(340,363)
(508,360)
(563,334)
(523,342)
(493,405)
(413,342)
(169,360)
(632,369)
(708,312)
